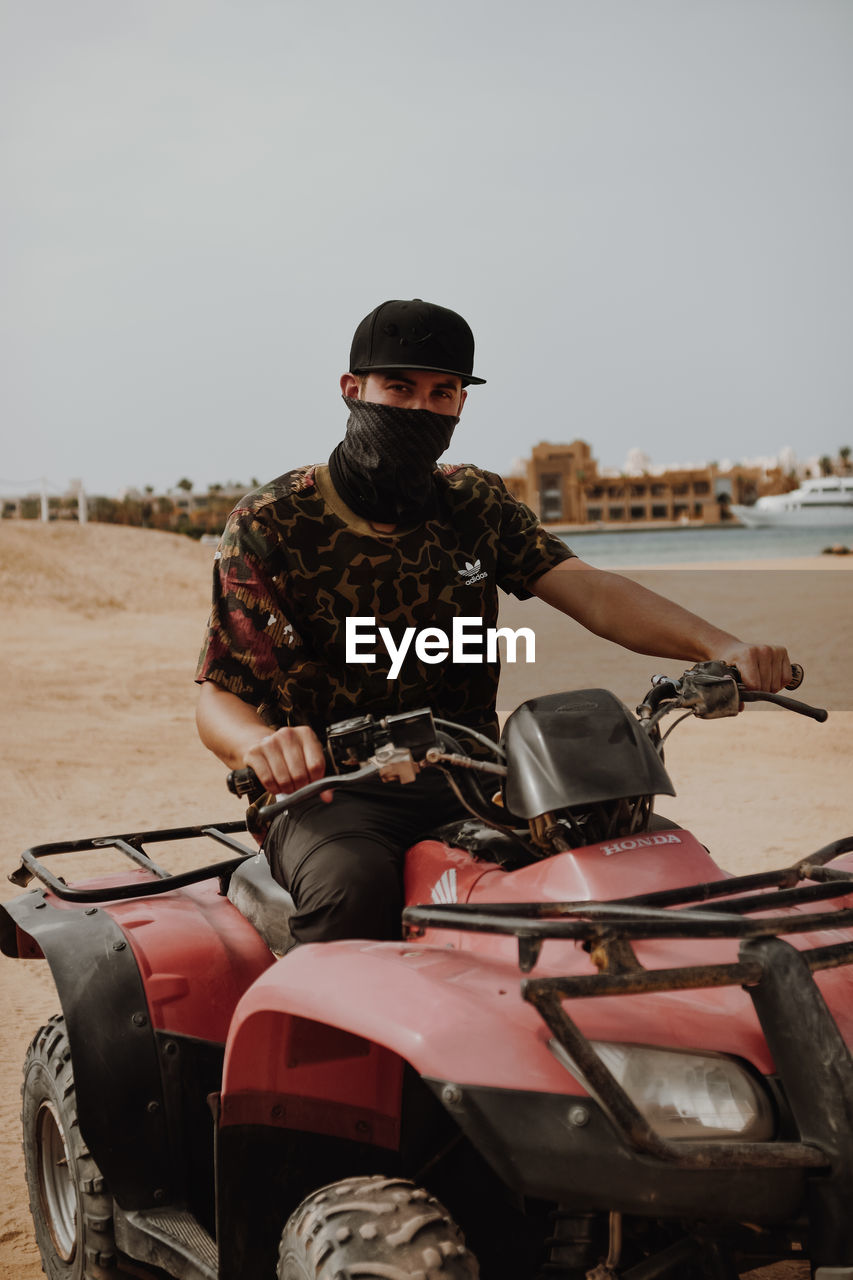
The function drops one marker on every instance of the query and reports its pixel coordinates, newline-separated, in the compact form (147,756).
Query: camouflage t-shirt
(294,563)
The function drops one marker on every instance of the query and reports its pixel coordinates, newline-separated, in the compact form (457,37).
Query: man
(382,534)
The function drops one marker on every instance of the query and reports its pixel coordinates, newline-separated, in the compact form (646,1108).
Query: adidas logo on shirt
(471,573)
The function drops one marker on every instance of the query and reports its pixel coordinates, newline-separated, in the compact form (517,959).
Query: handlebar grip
(244,782)
(797,676)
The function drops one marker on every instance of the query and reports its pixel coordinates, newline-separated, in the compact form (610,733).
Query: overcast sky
(644,208)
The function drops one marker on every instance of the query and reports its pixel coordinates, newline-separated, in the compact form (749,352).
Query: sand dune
(100,630)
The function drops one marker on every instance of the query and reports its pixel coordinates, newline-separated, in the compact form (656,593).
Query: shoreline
(561,527)
(640,526)
(801,563)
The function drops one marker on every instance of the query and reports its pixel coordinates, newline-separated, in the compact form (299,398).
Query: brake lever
(269,811)
(392,764)
(790,704)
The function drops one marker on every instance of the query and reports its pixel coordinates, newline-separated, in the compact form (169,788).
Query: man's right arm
(284,759)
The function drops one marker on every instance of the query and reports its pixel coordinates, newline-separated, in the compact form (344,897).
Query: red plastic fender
(196,956)
(320,1040)
(437,872)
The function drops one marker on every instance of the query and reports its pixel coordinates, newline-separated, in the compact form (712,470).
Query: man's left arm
(620,610)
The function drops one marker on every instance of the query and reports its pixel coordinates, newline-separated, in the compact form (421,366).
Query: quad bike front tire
(71,1209)
(377,1229)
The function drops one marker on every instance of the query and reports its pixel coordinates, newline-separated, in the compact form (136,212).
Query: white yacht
(816,504)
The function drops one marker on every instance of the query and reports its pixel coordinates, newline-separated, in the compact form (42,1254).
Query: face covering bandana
(383,468)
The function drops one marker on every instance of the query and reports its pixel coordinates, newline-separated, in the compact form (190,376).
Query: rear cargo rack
(131,845)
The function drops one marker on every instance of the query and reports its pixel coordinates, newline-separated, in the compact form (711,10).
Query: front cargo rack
(132,846)
(777,976)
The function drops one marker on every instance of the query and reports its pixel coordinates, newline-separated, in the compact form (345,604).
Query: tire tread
(49,1057)
(374,1229)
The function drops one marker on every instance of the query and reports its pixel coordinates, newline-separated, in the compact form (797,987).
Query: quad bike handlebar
(712,690)
(398,747)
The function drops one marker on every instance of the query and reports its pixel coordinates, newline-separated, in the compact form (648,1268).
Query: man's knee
(348,886)
(351,910)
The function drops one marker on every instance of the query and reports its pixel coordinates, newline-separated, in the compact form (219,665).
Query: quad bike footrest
(169,1238)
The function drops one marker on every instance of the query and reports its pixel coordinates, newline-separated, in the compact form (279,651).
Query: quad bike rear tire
(361,1222)
(71,1208)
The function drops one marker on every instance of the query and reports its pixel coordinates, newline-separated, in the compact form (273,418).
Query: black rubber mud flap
(113,1049)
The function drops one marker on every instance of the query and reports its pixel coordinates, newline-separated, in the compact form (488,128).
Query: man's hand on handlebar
(288,759)
(761,666)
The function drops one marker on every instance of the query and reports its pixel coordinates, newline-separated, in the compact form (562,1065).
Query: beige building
(562,483)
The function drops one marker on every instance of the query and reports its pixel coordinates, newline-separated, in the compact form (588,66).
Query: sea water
(680,546)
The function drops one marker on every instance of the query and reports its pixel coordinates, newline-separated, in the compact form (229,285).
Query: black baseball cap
(414,335)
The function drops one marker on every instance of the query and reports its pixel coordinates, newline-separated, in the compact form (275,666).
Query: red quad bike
(664,1089)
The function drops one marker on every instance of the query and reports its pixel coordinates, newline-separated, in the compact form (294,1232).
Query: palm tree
(825,464)
(844,458)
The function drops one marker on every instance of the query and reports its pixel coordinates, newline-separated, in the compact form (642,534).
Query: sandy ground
(100,629)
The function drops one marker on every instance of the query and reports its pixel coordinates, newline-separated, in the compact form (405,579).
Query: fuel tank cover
(567,750)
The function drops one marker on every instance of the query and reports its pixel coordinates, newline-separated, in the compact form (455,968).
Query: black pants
(342,862)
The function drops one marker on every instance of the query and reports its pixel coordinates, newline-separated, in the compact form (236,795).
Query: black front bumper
(566,1150)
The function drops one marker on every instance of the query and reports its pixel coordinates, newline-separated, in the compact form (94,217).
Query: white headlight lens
(686,1095)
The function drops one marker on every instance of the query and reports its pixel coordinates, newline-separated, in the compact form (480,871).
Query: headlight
(684,1095)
